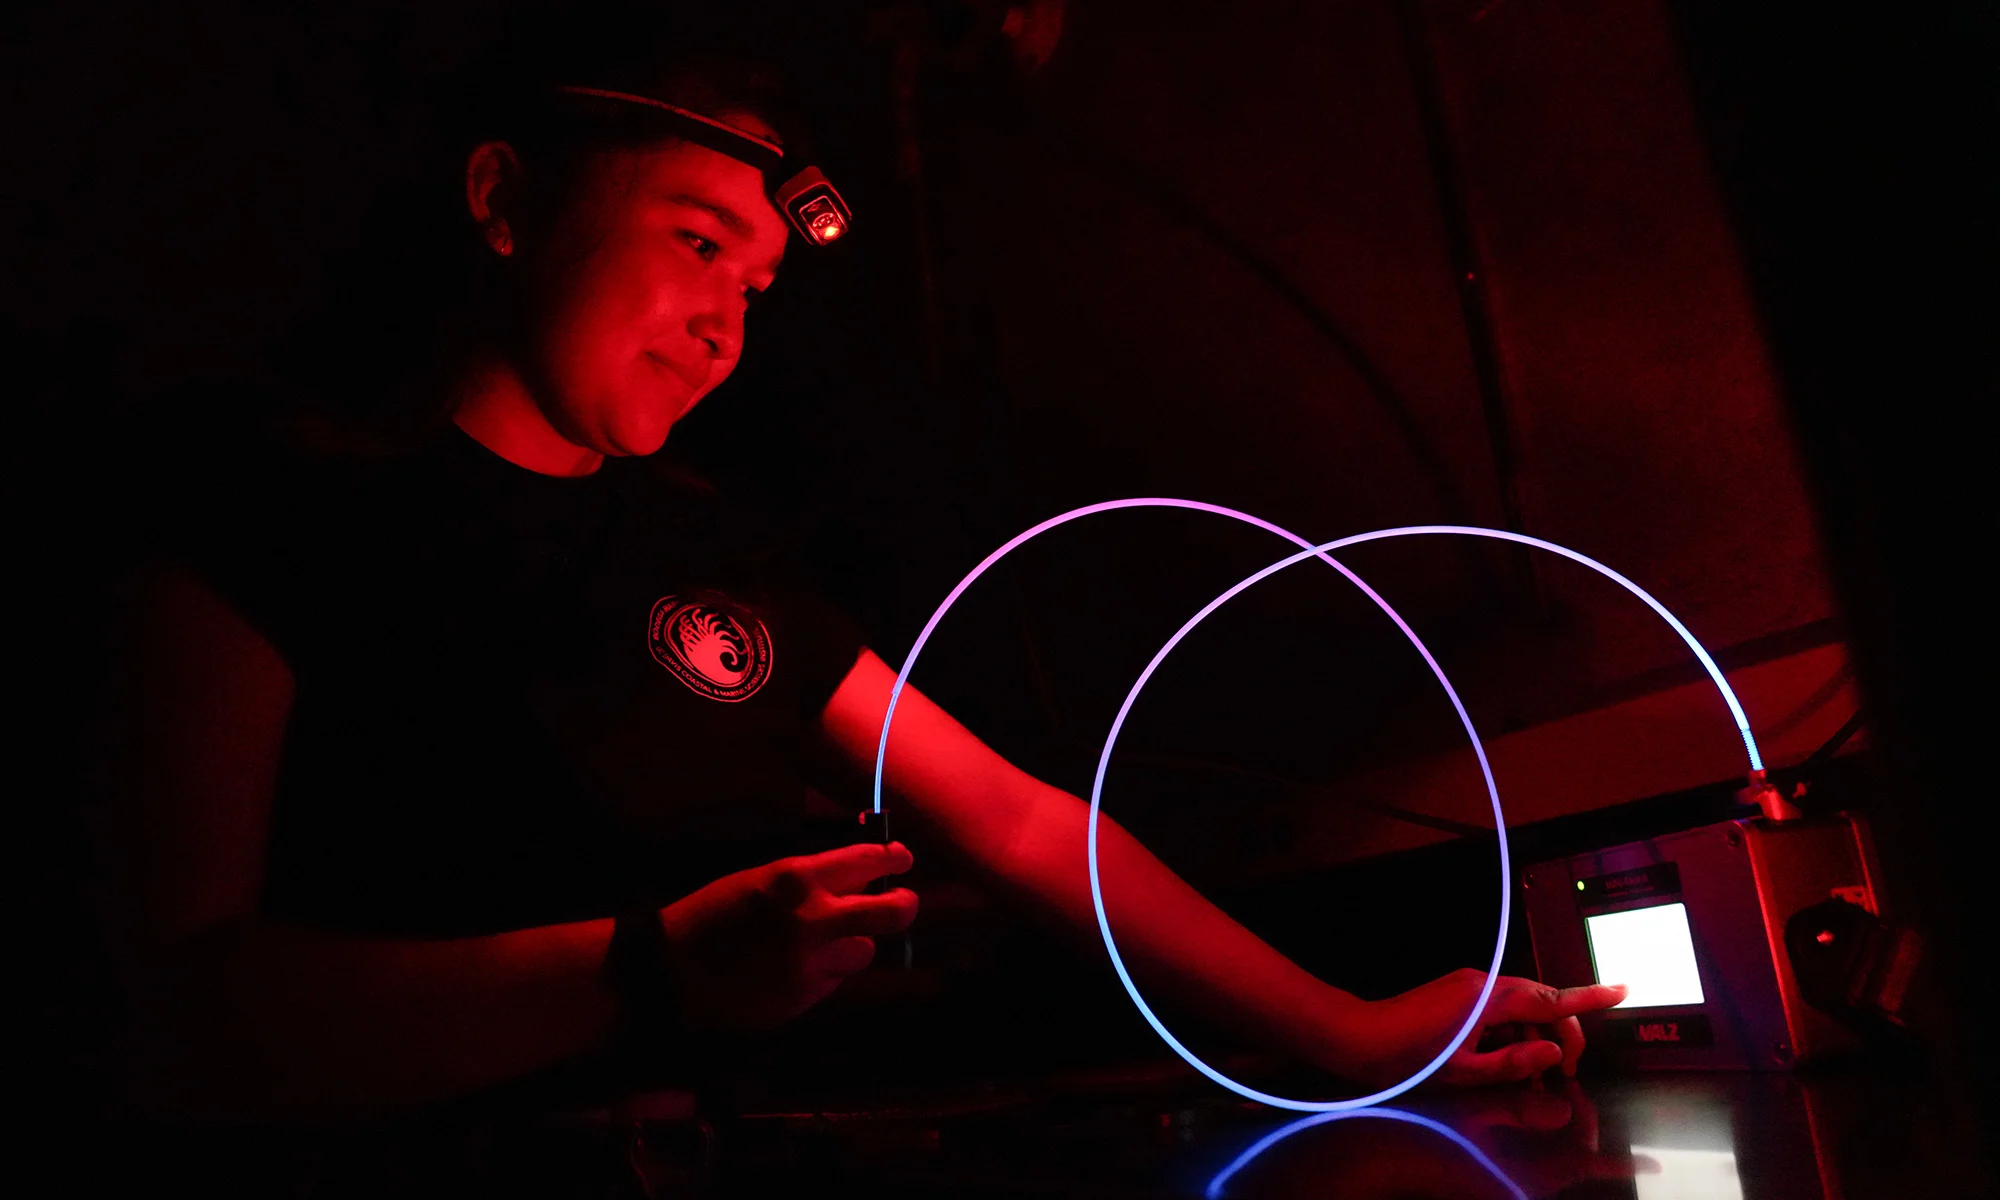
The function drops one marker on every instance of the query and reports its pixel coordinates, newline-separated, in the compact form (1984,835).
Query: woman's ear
(493,193)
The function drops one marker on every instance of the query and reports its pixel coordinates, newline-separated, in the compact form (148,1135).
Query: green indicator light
(1579,885)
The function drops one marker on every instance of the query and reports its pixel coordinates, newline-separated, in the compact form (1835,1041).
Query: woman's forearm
(252,1017)
(1029,837)
(1170,937)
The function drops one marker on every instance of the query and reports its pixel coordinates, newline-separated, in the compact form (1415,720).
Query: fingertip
(1525,1060)
(849,955)
(906,909)
(1540,1056)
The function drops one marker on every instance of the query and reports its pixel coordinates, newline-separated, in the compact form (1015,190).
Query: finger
(851,868)
(841,958)
(838,917)
(1526,1000)
(1569,1035)
(1522,1060)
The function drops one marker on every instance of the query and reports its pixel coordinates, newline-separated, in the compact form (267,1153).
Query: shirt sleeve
(828,642)
(242,534)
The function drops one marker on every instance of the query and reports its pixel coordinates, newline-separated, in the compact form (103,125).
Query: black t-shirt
(520,699)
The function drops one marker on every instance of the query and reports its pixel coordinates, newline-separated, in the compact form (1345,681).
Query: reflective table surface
(1149,1131)
(1677,1136)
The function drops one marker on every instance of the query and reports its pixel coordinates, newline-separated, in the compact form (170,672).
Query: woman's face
(635,296)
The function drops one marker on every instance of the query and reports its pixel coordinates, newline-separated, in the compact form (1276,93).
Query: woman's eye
(705,248)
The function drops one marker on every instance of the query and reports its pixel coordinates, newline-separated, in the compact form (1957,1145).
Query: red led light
(1825,937)
(825,225)
(813,207)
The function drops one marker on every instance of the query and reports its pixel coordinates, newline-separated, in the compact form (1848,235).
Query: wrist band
(638,971)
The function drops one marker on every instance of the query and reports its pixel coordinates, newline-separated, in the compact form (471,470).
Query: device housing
(1739,881)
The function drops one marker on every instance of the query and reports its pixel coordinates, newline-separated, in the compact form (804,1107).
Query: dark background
(1701,294)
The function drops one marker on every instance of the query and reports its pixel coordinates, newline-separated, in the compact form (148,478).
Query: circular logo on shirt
(712,644)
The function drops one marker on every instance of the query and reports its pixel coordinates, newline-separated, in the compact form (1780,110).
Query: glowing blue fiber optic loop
(1486,771)
(1097,897)
(1321,552)
(1216,1186)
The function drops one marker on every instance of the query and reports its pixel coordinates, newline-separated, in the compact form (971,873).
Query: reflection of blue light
(1222,1177)
(1322,553)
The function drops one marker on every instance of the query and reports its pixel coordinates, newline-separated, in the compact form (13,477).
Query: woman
(411,730)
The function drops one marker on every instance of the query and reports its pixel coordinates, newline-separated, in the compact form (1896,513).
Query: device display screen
(1650,951)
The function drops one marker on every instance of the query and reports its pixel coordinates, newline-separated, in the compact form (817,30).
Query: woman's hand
(1537,1022)
(759,947)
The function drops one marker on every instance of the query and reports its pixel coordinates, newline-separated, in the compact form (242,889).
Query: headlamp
(813,207)
(806,197)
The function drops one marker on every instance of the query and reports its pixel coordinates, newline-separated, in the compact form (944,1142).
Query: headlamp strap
(805,196)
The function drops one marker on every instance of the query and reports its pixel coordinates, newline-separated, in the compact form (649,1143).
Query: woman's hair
(372,367)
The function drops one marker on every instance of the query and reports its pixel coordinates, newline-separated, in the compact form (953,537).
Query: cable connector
(1769,799)
(875,828)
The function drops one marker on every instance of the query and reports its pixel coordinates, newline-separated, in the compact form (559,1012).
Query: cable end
(1769,799)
